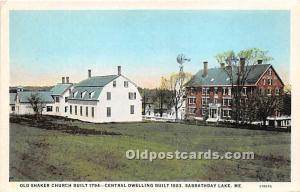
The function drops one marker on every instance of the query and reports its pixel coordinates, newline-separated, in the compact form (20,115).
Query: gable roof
(44,95)
(12,98)
(96,81)
(91,85)
(60,88)
(218,77)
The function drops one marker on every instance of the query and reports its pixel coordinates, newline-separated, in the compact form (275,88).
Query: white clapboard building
(23,106)
(111,98)
(60,93)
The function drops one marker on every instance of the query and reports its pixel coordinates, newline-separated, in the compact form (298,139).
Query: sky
(47,45)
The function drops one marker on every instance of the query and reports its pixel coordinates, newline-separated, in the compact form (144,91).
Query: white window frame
(131,109)
(108,96)
(264,81)
(270,81)
(192,100)
(205,90)
(126,84)
(132,95)
(206,99)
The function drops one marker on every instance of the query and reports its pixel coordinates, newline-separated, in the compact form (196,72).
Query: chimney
(242,64)
(222,65)
(259,61)
(119,70)
(63,80)
(205,69)
(67,80)
(89,73)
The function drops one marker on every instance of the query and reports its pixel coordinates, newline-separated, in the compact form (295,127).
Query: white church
(98,99)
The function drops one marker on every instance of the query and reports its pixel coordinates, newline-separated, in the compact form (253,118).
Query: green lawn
(39,154)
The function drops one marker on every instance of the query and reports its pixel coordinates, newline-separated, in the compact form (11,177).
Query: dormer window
(91,95)
(75,93)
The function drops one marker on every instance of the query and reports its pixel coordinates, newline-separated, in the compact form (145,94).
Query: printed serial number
(265,186)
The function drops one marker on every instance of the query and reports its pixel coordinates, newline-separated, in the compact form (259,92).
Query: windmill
(180,60)
(179,90)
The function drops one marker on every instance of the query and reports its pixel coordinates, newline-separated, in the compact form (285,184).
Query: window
(216,90)
(75,94)
(132,95)
(93,111)
(114,83)
(225,91)
(70,109)
(270,72)
(49,108)
(57,109)
(13,108)
(277,91)
(108,112)
(87,111)
(108,95)
(203,112)
(227,102)
(269,81)
(215,100)
(226,113)
(82,94)
(131,109)
(244,90)
(193,89)
(205,101)
(75,109)
(66,109)
(91,95)
(66,99)
(205,91)
(125,83)
(57,99)
(80,110)
(192,100)
(192,110)
(269,91)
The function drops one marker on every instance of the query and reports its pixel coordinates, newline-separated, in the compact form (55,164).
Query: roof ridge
(103,76)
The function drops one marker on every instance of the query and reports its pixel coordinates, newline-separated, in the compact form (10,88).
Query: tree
(262,106)
(175,83)
(238,66)
(36,104)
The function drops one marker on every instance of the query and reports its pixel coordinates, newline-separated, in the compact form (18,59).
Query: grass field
(50,155)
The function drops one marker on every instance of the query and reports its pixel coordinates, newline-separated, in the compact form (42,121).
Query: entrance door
(213,113)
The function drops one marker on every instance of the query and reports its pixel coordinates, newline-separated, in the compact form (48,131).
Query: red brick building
(209,92)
